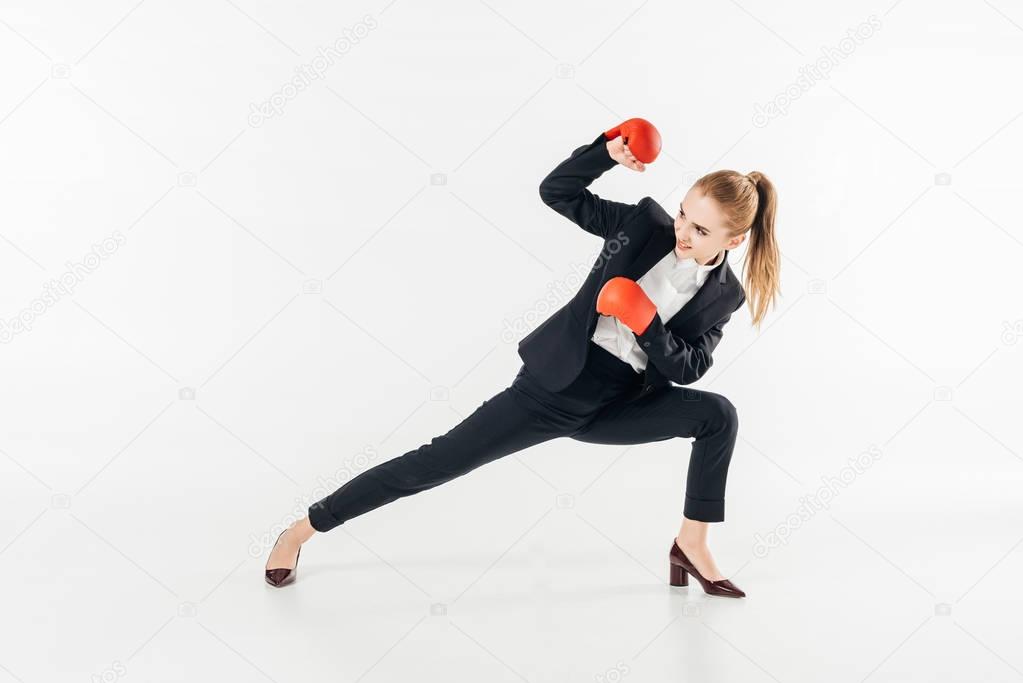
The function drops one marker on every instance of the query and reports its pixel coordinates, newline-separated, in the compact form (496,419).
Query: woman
(600,370)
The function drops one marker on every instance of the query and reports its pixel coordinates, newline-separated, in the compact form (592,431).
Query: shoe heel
(677,576)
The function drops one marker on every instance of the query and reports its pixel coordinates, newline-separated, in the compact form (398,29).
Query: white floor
(506,574)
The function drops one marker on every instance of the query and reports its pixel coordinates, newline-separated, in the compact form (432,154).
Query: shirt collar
(691,263)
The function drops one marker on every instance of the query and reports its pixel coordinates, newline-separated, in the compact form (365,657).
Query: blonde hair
(749,202)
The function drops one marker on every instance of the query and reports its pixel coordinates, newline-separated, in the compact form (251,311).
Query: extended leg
(500,426)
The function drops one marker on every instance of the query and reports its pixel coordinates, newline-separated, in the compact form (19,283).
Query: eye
(700,231)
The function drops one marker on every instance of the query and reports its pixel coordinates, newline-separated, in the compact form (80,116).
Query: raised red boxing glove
(625,299)
(640,135)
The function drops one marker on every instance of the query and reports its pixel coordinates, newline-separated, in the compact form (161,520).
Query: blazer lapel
(659,244)
(704,296)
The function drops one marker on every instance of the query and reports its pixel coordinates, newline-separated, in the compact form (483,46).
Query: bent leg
(678,412)
(499,426)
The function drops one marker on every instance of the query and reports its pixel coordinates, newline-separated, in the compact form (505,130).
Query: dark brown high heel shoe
(282,576)
(679,569)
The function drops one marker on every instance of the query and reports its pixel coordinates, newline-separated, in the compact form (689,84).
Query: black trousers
(591,409)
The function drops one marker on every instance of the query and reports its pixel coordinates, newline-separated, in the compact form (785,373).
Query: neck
(712,259)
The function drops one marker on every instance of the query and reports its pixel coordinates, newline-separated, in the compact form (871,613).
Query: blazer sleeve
(677,359)
(564,190)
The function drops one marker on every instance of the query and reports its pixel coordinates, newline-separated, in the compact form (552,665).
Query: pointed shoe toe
(282,576)
(725,588)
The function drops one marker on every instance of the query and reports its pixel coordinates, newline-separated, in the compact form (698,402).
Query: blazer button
(646,343)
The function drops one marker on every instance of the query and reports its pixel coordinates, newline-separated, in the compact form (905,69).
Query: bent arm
(565,190)
(677,359)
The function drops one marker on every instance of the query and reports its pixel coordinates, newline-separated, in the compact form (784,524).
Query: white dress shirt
(669,284)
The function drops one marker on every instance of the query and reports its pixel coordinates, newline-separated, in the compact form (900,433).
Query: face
(700,231)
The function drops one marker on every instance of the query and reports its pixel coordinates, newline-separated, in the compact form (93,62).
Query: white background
(302,296)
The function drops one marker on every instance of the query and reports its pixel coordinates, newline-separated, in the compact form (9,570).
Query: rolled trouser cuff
(704,510)
(320,517)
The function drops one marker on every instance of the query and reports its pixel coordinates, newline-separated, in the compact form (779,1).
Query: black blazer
(636,236)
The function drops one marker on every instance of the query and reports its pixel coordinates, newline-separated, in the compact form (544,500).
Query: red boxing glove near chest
(625,299)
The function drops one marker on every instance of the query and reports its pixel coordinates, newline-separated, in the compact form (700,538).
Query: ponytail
(763,259)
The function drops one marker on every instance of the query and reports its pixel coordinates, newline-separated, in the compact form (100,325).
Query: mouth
(681,247)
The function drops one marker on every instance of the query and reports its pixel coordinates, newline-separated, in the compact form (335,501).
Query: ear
(735,241)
